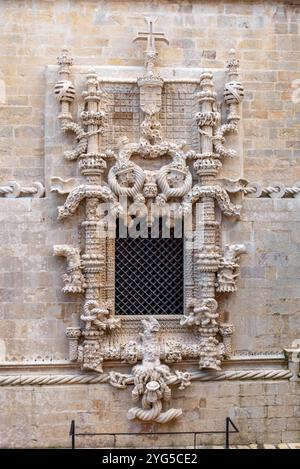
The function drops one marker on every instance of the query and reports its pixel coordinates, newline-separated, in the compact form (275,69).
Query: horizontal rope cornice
(41,380)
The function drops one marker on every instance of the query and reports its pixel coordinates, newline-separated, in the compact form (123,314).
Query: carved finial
(64,58)
(151,37)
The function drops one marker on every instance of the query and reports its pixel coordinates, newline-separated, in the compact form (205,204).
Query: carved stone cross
(151,36)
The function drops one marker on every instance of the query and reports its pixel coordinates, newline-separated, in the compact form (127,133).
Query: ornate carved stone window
(124,279)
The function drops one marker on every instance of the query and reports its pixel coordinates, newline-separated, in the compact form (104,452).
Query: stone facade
(263,397)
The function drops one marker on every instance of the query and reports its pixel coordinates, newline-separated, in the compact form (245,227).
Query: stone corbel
(73,335)
(211,352)
(74,279)
(229,268)
(99,321)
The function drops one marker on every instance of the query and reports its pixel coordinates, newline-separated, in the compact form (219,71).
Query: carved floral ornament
(214,268)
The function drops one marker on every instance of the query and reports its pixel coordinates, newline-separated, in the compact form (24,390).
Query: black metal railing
(225,432)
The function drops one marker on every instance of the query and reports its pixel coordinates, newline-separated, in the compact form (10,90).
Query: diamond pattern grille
(149,276)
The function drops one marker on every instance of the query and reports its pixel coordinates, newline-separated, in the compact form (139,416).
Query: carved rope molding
(256,190)
(31,380)
(13,190)
(90,269)
(275,191)
(249,189)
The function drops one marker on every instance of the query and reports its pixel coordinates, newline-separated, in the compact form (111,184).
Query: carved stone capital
(73,334)
(226,330)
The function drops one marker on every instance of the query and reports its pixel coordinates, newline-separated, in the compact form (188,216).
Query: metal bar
(233,425)
(72,433)
(155,433)
(236,430)
(227,433)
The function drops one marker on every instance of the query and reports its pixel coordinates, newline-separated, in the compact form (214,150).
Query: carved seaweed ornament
(90,271)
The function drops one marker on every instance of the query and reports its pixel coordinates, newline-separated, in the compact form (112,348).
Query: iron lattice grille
(149,276)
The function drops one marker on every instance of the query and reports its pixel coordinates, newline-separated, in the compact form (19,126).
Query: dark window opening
(149,275)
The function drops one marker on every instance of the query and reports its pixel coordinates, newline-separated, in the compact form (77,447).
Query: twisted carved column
(207,254)
(94,258)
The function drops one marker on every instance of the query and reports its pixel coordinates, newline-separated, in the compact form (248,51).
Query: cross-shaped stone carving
(151,37)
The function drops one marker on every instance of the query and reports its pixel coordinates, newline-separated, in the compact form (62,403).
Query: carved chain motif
(91,273)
